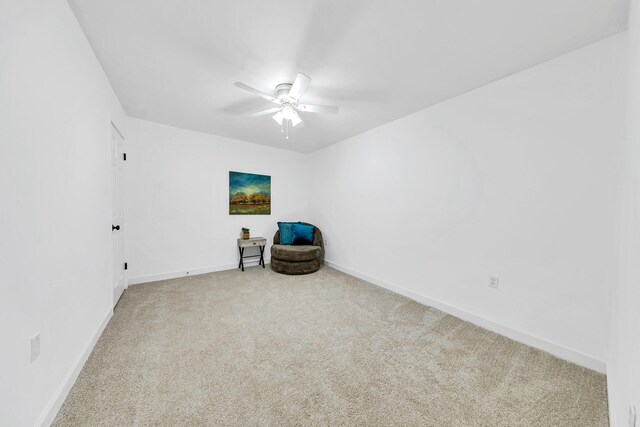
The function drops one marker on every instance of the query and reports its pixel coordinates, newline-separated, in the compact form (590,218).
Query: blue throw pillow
(302,234)
(286,232)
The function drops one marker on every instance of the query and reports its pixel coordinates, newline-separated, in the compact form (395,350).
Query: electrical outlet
(35,347)
(632,416)
(494,282)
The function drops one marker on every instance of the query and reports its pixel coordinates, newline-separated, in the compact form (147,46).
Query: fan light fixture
(278,117)
(287,112)
(285,116)
(295,119)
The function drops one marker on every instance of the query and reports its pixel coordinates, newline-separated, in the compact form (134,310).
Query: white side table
(260,242)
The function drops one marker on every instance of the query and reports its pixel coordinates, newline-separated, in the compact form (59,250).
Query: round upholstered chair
(294,259)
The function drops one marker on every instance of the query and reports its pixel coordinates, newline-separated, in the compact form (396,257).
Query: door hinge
(125,266)
(124,157)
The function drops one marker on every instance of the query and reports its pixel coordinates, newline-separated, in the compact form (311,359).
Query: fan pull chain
(287,128)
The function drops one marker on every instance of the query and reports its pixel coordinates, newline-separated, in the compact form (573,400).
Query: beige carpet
(262,349)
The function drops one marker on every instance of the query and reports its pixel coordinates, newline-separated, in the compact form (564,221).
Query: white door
(117,213)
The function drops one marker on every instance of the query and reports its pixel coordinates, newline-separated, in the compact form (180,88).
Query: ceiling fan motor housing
(282,91)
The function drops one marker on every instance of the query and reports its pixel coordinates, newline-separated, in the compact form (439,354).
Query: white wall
(55,108)
(516,179)
(178,199)
(624,362)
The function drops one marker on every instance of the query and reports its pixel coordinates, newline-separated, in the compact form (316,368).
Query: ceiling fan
(287,96)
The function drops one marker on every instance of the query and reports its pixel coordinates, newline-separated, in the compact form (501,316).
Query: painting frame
(249,193)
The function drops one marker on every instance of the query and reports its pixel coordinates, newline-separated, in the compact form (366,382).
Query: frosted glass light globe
(288,112)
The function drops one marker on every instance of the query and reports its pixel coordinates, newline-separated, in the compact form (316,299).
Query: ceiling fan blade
(257,92)
(299,86)
(265,112)
(317,108)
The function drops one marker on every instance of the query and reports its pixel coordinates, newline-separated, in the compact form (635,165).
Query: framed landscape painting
(249,194)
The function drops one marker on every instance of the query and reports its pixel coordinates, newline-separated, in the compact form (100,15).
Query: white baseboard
(56,401)
(557,350)
(193,272)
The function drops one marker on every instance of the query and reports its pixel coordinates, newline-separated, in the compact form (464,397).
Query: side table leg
(262,256)
(241,259)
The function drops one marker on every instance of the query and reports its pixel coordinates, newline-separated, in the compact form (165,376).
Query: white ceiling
(175,61)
